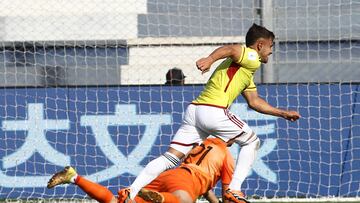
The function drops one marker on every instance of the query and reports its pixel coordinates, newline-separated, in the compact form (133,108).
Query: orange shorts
(176,179)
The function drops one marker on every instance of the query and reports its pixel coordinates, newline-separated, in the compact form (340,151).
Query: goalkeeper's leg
(95,191)
(68,175)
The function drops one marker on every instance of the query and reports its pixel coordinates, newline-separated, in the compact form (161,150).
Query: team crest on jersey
(252,56)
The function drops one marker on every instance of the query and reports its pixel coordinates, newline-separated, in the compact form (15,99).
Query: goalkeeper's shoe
(124,196)
(235,196)
(151,196)
(62,177)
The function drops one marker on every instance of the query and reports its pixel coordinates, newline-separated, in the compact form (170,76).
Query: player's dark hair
(256,32)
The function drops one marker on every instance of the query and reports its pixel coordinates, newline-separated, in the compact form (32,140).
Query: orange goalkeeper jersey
(210,162)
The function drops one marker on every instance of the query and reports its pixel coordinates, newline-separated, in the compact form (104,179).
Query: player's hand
(204,64)
(292,115)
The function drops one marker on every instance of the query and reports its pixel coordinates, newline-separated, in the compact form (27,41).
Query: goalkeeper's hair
(256,32)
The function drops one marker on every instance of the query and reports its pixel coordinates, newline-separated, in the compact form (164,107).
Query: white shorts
(200,121)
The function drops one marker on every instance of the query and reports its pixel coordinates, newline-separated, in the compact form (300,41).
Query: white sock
(72,180)
(153,170)
(244,163)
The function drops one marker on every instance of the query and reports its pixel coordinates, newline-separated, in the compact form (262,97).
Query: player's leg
(250,145)
(228,126)
(183,141)
(68,175)
(245,160)
(152,170)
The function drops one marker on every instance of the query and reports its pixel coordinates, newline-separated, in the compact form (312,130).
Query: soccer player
(209,113)
(203,167)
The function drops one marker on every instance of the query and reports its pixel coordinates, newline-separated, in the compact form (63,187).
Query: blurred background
(112,42)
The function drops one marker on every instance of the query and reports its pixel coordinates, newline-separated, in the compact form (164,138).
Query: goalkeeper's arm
(211,197)
(223,191)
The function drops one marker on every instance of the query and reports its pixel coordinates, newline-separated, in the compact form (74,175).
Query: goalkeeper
(202,168)
(209,113)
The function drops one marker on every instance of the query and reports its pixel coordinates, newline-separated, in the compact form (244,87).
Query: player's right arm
(232,51)
(211,197)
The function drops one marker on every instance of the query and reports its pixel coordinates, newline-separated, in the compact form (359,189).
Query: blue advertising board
(110,133)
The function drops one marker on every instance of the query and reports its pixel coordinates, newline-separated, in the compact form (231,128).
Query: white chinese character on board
(36,127)
(125,115)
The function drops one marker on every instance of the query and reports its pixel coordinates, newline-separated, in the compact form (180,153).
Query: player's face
(265,49)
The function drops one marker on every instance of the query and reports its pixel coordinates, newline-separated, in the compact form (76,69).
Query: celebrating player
(204,166)
(209,113)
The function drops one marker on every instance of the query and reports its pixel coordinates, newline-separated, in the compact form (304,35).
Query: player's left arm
(227,173)
(223,190)
(258,104)
(211,197)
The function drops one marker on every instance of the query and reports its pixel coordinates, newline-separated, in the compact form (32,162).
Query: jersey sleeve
(228,168)
(249,58)
(252,86)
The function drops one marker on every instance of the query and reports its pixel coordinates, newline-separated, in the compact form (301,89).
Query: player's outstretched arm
(232,51)
(260,105)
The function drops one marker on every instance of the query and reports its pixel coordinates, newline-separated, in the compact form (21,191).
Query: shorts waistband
(212,105)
